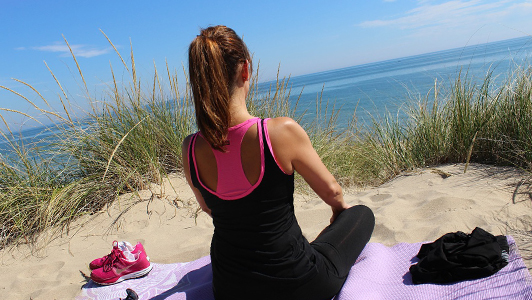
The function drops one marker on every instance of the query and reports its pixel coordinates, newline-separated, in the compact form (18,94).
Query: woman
(241,170)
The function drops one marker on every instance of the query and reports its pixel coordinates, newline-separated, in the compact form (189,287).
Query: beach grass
(464,123)
(133,138)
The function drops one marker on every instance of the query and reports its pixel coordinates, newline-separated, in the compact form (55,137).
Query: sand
(414,207)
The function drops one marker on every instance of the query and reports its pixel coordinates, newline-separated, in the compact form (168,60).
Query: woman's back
(257,238)
(249,159)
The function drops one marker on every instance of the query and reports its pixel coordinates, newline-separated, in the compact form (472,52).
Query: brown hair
(213,60)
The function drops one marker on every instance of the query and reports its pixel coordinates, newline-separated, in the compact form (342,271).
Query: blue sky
(302,36)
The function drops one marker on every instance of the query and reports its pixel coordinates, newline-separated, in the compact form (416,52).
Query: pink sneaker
(124,246)
(117,267)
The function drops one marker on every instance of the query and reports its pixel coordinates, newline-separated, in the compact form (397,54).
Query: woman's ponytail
(214,57)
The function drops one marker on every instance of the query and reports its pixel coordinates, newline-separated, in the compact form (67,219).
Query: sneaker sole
(137,274)
(98,266)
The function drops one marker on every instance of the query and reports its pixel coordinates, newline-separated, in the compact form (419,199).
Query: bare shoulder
(186,142)
(282,121)
(285,128)
(289,142)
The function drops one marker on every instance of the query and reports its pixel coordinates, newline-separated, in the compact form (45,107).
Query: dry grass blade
(22,113)
(116,148)
(77,64)
(46,112)
(7,126)
(31,87)
(64,93)
(469,152)
(118,53)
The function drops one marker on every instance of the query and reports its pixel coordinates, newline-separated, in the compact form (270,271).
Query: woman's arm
(293,151)
(197,193)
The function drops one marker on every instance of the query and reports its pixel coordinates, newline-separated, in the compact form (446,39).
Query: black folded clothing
(459,256)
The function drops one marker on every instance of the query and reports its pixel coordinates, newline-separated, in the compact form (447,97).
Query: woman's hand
(337,211)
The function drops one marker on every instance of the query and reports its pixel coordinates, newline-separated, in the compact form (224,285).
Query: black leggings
(335,250)
(339,244)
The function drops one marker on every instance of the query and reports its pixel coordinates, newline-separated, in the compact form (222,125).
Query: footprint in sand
(444,205)
(384,235)
(380,197)
(42,270)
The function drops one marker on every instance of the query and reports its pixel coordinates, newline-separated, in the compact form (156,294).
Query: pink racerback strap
(270,145)
(232,181)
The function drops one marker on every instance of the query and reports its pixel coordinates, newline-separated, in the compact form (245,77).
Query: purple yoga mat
(380,273)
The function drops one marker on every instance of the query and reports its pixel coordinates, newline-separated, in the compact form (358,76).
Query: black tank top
(258,250)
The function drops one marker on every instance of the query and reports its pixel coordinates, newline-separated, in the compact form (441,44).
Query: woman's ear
(245,71)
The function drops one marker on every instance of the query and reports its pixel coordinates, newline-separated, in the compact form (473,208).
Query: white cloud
(434,25)
(447,13)
(450,13)
(79,50)
(523,7)
(461,19)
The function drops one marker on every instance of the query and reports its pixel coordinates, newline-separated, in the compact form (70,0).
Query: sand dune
(415,206)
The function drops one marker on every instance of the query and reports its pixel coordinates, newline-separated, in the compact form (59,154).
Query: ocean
(374,89)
